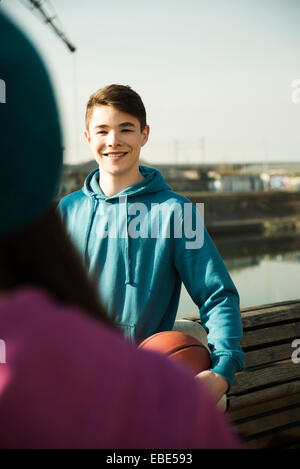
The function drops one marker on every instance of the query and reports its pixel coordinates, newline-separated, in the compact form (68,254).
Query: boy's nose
(113,139)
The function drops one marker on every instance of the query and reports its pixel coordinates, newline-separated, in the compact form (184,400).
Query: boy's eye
(104,132)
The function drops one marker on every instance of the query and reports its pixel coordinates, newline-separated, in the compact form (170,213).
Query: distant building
(240,183)
(202,178)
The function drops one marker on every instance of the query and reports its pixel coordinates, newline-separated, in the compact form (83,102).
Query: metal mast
(49,18)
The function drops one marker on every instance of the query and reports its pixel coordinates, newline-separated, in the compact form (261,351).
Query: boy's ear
(87,136)
(145,134)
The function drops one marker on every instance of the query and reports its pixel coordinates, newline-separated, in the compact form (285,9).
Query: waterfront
(264,271)
(256,228)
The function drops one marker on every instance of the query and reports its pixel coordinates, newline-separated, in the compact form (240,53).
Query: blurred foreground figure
(69,379)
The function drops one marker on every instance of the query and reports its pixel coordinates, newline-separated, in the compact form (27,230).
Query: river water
(264,270)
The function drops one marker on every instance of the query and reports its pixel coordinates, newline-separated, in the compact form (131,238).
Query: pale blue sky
(218,69)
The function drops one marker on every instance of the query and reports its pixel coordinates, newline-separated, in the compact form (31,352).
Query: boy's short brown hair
(122,97)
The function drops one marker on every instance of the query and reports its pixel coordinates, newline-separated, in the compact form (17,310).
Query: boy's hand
(216,384)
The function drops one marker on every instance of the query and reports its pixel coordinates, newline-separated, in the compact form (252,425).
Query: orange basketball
(181,347)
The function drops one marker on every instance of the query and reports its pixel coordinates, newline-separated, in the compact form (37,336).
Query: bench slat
(271,334)
(267,422)
(258,320)
(270,375)
(266,405)
(281,305)
(263,395)
(268,355)
(285,438)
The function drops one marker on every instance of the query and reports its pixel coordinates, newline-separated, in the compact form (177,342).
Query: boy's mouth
(115,154)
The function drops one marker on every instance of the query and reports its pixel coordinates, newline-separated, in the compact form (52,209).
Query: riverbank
(268,213)
(275,213)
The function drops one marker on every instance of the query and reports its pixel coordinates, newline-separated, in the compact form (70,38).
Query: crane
(50,18)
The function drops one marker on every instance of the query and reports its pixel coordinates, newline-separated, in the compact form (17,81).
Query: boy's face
(116,139)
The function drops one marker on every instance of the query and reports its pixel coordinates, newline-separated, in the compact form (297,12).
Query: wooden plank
(275,373)
(266,405)
(252,398)
(269,421)
(271,334)
(262,318)
(268,355)
(283,438)
(281,305)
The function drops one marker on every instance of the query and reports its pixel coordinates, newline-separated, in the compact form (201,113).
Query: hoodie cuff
(226,367)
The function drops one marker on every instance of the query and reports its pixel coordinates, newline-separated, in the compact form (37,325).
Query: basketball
(181,347)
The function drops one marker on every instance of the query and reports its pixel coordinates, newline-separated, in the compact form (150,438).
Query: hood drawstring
(88,231)
(123,201)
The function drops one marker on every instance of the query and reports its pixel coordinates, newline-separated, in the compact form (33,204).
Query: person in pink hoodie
(68,378)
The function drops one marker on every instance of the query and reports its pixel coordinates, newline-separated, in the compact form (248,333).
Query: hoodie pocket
(128,330)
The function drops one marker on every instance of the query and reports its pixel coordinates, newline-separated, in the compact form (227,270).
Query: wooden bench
(264,402)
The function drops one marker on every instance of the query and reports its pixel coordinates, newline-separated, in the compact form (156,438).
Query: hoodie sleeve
(209,284)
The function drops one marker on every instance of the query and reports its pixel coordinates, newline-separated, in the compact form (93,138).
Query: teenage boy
(139,242)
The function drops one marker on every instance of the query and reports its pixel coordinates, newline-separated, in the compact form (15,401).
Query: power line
(49,18)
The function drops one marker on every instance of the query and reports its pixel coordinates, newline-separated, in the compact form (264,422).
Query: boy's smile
(116,139)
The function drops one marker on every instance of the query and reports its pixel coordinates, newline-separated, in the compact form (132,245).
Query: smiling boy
(138,241)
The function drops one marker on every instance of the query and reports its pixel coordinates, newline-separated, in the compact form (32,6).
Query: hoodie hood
(153,182)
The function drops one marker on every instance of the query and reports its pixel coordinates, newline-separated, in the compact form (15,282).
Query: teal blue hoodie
(139,246)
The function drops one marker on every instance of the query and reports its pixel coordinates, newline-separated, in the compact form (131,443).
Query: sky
(215,75)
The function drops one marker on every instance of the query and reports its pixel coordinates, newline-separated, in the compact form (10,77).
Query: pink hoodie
(71,382)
